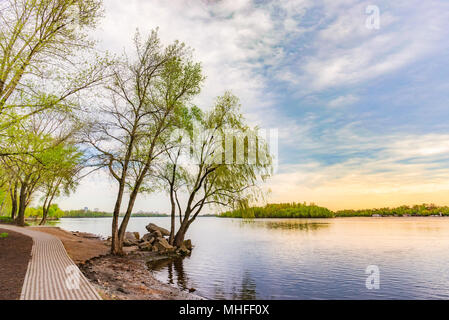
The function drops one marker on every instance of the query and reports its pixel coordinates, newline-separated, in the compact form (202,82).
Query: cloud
(398,169)
(343,101)
(344,52)
(290,59)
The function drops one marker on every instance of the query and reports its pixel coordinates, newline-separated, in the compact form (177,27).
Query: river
(305,259)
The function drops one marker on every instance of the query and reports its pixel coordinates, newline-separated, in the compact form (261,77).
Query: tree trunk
(13,196)
(116,248)
(20,221)
(44,216)
(124,224)
(180,235)
(132,200)
(173,213)
(13,206)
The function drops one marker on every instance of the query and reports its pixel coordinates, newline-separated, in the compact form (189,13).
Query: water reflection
(176,275)
(284,224)
(246,290)
(175,271)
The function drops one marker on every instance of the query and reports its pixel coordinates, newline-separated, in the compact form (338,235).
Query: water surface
(304,259)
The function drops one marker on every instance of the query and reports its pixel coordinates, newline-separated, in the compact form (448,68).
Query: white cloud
(405,169)
(347,53)
(343,101)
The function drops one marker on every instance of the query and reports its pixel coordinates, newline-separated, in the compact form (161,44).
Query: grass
(3,235)
(6,220)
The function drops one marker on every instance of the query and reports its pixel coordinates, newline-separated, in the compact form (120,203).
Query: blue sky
(362,113)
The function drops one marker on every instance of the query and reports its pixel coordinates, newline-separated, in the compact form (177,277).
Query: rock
(145,246)
(152,228)
(163,246)
(157,234)
(128,243)
(132,236)
(108,242)
(130,239)
(188,244)
(148,238)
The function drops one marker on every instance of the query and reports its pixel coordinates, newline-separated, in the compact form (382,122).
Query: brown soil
(81,247)
(128,278)
(15,252)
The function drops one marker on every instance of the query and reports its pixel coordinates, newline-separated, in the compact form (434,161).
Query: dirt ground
(15,252)
(81,247)
(115,278)
(128,278)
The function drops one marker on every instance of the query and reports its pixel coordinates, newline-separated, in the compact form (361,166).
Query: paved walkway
(51,274)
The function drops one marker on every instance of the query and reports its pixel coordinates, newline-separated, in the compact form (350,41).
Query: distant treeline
(98,214)
(298,210)
(424,210)
(283,210)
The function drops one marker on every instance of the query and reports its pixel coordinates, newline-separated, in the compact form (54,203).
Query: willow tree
(222,166)
(43,49)
(145,93)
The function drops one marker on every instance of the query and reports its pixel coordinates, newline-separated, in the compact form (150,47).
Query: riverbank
(116,278)
(312,211)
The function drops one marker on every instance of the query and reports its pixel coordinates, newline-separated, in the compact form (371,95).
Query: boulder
(163,246)
(152,228)
(157,234)
(145,246)
(132,236)
(148,238)
(130,239)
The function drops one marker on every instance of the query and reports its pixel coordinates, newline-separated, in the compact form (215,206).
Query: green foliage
(285,210)
(3,235)
(423,210)
(54,212)
(297,210)
(6,220)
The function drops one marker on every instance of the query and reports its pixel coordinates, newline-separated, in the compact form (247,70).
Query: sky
(358,91)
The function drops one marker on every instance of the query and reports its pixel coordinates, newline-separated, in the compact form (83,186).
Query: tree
(222,165)
(146,94)
(60,175)
(44,151)
(25,169)
(41,66)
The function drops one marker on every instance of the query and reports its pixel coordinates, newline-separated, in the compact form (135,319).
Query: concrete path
(51,274)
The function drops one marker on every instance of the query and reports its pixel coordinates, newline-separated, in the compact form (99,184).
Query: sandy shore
(116,278)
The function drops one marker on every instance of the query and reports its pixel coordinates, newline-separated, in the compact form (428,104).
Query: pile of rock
(156,241)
